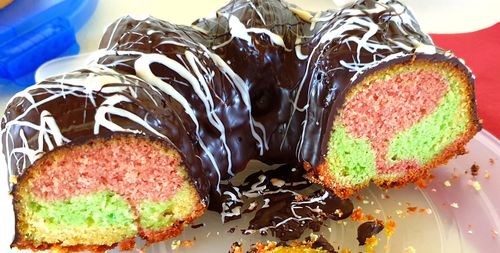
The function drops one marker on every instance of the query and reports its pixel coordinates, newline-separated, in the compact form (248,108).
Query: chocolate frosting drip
(96,102)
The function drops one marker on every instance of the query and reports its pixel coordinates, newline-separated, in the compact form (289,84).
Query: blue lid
(33,32)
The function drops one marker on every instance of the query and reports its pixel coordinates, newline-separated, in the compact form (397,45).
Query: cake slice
(397,123)
(387,103)
(95,164)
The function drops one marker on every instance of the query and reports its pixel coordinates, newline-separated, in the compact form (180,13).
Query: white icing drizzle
(240,31)
(237,82)
(49,134)
(227,206)
(257,187)
(115,27)
(250,2)
(143,70)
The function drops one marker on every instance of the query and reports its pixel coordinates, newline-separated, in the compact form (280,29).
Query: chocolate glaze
(288,216)
(369,229)
(297,66)
(289,205)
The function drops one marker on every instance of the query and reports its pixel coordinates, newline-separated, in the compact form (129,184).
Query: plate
(451,216)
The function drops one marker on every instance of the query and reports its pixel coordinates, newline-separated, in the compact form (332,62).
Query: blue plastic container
(33,32)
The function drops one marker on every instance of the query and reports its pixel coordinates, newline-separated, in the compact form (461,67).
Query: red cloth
(481,52)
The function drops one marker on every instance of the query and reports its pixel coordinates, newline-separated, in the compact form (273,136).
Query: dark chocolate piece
(322,243)
(369,229)
(195,226)
(474,170)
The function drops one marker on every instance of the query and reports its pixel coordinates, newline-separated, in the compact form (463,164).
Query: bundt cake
(138,143)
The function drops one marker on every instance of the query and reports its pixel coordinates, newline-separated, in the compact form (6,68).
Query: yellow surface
(4,3)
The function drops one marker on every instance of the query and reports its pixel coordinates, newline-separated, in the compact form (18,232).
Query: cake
(138,143)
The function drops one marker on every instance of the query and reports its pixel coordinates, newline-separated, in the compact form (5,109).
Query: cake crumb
(338,212)
(474,170)
(187,243)
(454,205)
(487,175)
(410,249)
(371,243)
(277,182)
(357,215)
(494,233)
(176,244)
(13,179)
(476,185)
(251,207)
(359,197)
(384,196)
(492,161)
(421,183)
(411,209)
(433,190)
(447,183)
(390,227)
(469,229)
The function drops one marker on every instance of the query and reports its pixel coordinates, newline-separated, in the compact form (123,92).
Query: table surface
(435,16)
